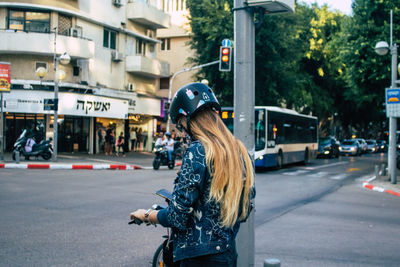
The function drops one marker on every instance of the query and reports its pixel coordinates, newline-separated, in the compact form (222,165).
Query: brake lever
(136,221)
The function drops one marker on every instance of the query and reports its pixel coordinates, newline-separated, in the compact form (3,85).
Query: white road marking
(318,174)
(324,166)
(339,176)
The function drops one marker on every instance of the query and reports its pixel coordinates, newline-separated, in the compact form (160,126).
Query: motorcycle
(161,158)
(43,149)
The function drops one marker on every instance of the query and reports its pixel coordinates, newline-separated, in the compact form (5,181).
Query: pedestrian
(109,142)
(139,139)
(214,188)
(121,145)
(133,138)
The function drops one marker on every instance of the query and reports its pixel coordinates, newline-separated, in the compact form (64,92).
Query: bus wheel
(279,160)
(306,157)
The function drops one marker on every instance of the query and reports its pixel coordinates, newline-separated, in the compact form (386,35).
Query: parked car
(350,147)
(382,146)
(372,146)
(363,144)
(328,147)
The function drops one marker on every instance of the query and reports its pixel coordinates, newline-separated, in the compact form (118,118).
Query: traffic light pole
(244,87)
(182,71)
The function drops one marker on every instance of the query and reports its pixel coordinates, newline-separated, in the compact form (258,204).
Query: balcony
(148,67)
(43,44)
(148,15)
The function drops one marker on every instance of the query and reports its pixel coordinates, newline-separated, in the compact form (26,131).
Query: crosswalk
(320,174)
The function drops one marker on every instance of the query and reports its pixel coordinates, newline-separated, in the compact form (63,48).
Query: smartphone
(164,194)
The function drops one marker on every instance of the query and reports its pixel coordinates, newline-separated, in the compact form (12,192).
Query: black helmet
(168,134)
(190,99)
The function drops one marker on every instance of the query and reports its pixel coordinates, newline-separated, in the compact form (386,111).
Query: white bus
(282,136)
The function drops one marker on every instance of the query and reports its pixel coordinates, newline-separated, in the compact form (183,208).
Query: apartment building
(111,82)
(174,46)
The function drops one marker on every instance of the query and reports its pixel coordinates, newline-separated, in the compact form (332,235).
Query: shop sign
(144,105)
(5,80)
(32,101)
(26,101)
(93,106)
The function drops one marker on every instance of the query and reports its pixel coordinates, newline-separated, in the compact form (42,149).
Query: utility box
(273,6)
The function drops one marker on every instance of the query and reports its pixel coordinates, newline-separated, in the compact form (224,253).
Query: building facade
(174,46)
(111,82)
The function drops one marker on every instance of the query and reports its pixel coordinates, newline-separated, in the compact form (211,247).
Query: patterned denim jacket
(197,229)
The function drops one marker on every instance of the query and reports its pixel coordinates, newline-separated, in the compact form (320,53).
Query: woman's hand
(138,214)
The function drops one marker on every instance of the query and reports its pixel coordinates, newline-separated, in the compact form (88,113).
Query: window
(29,21)
(165,44)
(109,38)
(40,64)
(164,83)
(140,47)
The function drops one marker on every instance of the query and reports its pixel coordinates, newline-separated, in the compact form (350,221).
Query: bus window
(260,129)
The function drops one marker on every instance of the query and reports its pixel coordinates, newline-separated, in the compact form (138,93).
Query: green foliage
(315,60)
(211,22)
(366,73)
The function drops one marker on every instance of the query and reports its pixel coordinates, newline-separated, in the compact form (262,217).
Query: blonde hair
(229,165)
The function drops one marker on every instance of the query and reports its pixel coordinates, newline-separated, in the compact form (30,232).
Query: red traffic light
(225,51)
(225,58)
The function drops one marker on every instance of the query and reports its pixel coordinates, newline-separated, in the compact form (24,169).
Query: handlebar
(162,193)
(136,221)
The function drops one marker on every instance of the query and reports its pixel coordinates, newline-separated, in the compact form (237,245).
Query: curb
(76,166)
(71,166)
(369,186)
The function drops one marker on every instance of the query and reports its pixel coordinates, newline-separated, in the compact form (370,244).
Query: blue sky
(342,5)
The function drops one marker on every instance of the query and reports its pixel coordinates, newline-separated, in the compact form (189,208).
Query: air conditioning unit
(117,56)
(75,32)
(130,87)
(117,3)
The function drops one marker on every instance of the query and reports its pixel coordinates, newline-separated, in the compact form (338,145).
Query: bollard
(16,156)
(377,171)
(272,263)
(383,169)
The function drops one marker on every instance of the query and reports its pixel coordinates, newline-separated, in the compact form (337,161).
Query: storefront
(143,114)
(78,114)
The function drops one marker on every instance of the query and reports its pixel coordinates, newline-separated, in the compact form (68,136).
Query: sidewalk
(132,160)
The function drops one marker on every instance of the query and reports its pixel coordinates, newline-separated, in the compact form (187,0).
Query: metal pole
(55,124)
(392,120)
(244,87)
(182,71)
(2,129)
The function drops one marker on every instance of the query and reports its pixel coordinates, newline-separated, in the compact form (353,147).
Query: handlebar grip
(136,221)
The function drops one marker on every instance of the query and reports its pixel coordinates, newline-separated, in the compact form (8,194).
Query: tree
(366,74)
(211,21)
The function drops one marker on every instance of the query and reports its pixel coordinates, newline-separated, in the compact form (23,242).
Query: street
(313,215)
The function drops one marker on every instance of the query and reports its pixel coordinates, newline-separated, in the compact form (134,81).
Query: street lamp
(382,48)
(41,72)
(64,59)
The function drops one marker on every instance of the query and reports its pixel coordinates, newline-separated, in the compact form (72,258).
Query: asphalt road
(314,215)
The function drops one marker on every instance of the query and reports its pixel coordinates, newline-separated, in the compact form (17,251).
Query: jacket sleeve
(187,189)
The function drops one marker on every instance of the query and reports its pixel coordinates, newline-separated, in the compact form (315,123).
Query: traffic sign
(226,43)
(50,104)
(393,102)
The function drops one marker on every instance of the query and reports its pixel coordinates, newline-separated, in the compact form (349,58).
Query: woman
(214,188)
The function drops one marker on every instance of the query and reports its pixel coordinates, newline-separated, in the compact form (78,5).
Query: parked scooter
(43,149)
(161,158)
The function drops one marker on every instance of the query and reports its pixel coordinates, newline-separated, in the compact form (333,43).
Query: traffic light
(225,58)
